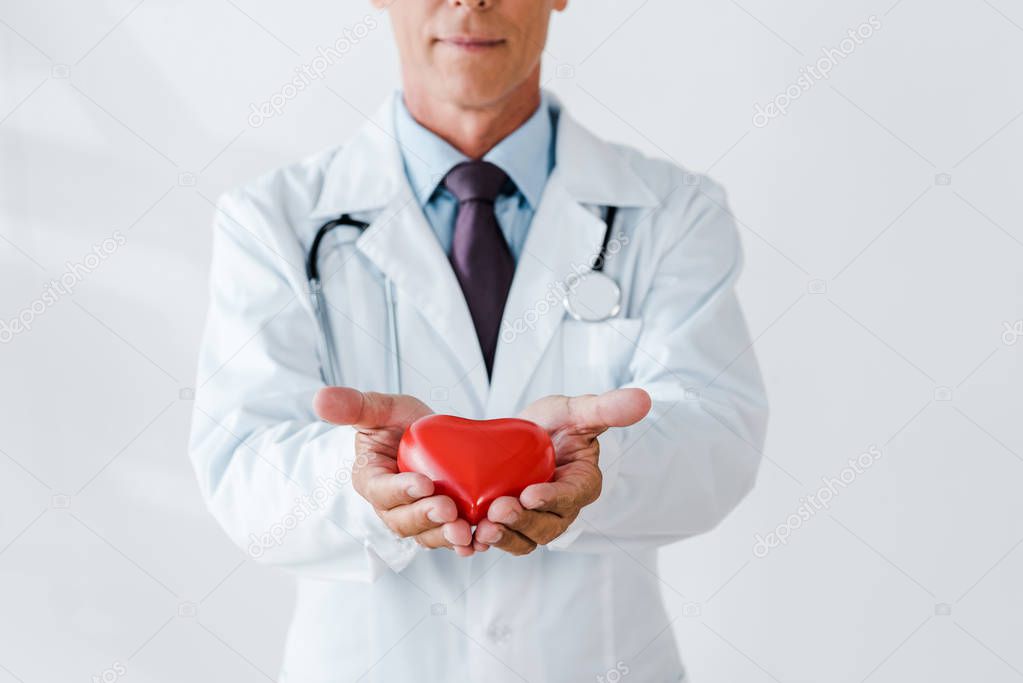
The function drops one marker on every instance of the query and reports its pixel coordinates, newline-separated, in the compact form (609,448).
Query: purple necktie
(480,257)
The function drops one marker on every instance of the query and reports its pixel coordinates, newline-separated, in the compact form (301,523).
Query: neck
(474,131)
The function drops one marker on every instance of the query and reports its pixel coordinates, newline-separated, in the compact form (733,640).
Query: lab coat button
(499,632)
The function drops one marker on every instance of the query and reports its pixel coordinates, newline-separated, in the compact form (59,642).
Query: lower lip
(473,47)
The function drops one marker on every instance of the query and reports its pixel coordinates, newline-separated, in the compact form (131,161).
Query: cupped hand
(403,500)
(544,511)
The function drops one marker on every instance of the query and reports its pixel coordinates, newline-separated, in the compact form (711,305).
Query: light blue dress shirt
(526,155)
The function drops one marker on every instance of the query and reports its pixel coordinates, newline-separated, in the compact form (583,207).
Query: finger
(433,538)
(539,527)
(500,536)
(479,546)
(487,532)
(445,535)
(616,408)
(386,490)
(420,516)
(504,510)
(458,533)
(576,485)
(346,406)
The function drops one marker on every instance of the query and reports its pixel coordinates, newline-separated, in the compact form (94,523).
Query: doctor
(474,205)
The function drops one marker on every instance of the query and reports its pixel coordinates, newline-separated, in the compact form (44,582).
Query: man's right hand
(403,500)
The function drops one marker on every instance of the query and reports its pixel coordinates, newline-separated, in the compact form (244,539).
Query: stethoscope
(590,296)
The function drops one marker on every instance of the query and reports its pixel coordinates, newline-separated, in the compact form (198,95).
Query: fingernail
(435,515)
(415,491)
(510,517)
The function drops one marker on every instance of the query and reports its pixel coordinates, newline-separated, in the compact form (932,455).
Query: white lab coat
(373,607)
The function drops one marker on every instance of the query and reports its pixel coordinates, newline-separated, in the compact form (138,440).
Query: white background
(876,288)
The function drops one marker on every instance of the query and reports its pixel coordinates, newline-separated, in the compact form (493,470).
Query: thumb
(369,410)
(616,408)
(624,407)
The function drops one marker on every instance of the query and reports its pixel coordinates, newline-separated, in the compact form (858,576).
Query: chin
(474,90)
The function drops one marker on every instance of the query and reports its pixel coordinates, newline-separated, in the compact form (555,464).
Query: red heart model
(477,461)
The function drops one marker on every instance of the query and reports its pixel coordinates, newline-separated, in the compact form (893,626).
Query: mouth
(471,43)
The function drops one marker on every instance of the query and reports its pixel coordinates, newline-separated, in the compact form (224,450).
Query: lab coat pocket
(595,356)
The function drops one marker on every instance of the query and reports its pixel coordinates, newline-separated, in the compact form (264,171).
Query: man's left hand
(544,511)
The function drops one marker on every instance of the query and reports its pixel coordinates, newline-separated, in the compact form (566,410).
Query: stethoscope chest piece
(593,297)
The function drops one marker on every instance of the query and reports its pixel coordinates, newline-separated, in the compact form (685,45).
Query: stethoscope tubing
(330,369)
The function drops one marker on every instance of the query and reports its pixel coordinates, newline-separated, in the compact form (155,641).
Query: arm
(277,479)
(687,464)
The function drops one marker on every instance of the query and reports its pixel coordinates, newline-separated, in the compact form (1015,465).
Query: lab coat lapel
(402,245)
(367,175)
(563,240)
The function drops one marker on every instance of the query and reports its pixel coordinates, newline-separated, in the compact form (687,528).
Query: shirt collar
(526,155)
(367,173)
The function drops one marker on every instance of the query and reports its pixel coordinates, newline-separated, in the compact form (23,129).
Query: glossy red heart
(477,461)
